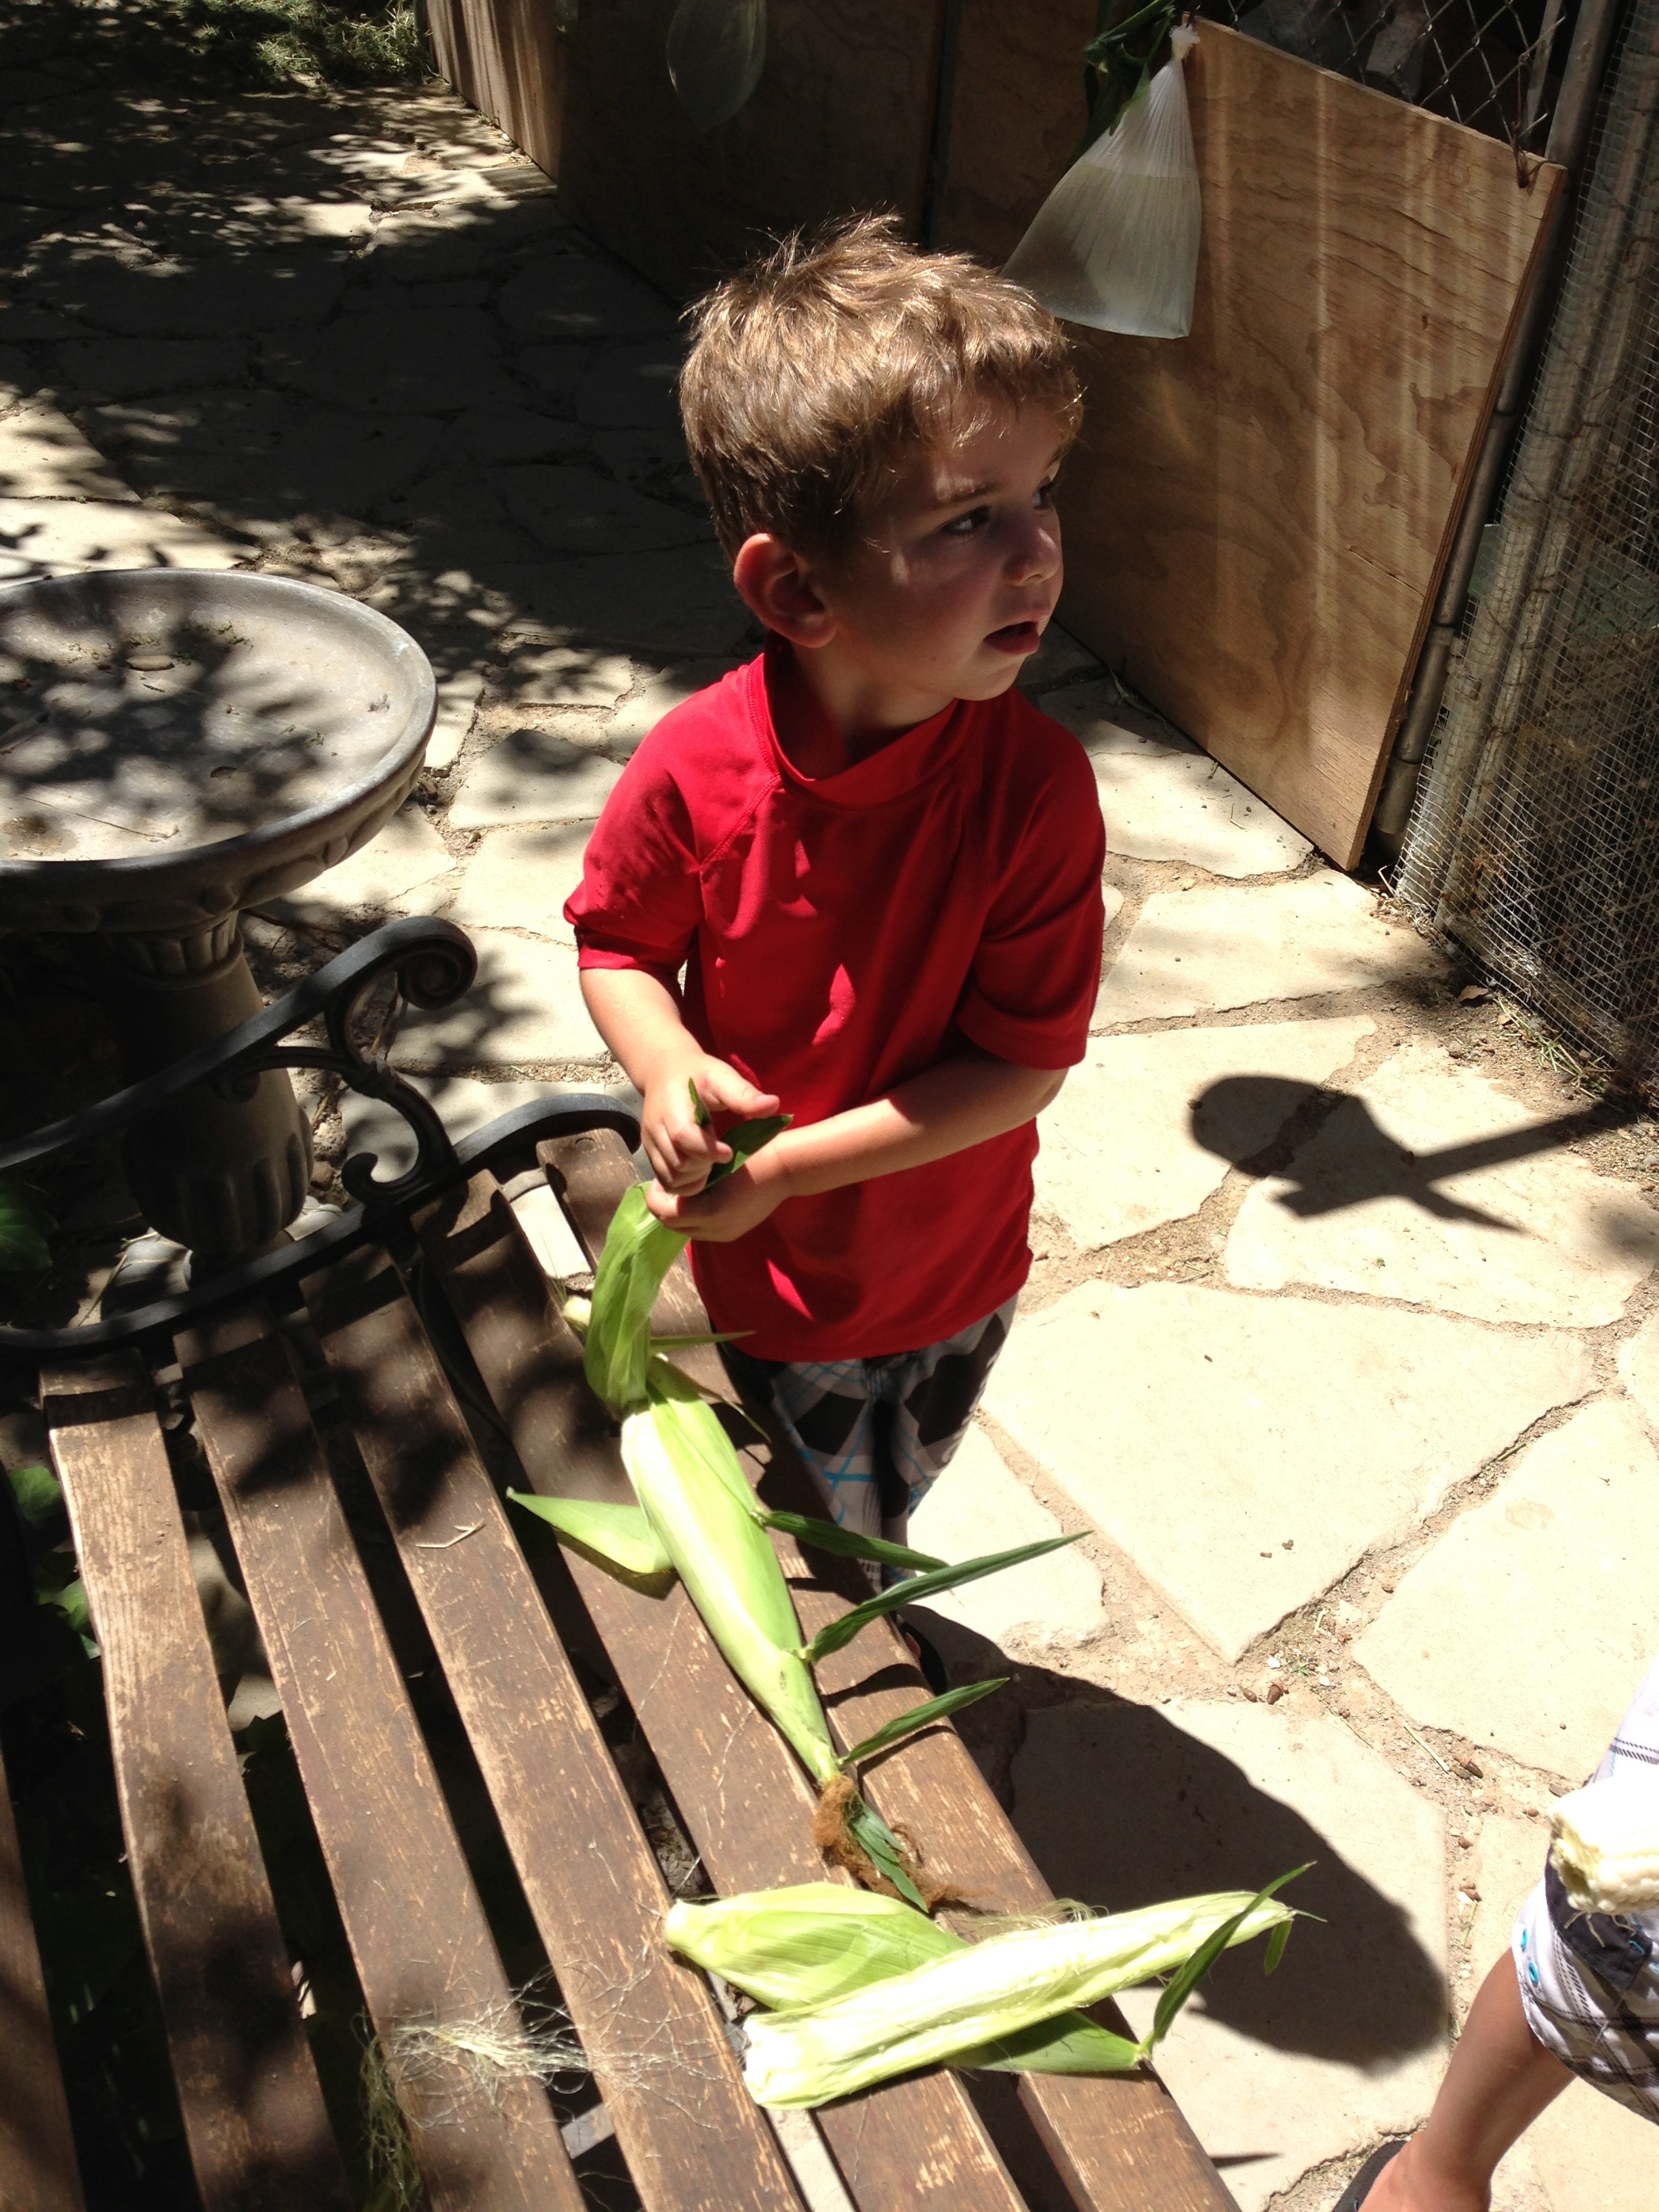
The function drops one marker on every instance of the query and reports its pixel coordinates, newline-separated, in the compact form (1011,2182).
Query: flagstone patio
(1341,1346)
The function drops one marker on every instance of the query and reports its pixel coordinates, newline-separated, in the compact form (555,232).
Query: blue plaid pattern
(876,1433)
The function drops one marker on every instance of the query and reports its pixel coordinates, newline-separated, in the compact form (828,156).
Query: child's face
(958,573)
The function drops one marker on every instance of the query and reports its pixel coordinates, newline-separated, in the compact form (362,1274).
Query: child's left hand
(726,1210)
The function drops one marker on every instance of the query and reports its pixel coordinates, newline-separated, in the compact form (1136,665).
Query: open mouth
(1016,637)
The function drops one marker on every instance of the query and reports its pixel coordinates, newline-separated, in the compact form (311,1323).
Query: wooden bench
(424,1362)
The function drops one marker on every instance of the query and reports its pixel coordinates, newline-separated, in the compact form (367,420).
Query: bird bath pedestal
(174,746)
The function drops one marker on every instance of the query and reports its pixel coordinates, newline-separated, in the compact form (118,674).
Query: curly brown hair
(814,374)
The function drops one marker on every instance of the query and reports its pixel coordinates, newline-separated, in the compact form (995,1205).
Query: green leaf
(1276,1942)
(36,1490)
(835,1633)
(745,1139)
(1070,2043)
(699,1111)
(922,1716)
(24,1222)
(1181,1984)
(881,1846)
(616,1537)
(824,1536)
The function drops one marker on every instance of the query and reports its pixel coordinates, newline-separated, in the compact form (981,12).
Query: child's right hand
(681,1152)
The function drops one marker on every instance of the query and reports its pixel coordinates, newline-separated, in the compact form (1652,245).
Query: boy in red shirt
(877,866)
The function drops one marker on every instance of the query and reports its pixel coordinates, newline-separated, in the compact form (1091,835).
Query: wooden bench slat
(253,2113)
(38,2169)
(424,1949)
(1122,2143)
(913,2146)
(671,2083)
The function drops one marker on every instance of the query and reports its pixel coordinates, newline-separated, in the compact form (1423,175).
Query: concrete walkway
(1344,1359)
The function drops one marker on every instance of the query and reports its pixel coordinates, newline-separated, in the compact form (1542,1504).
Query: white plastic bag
(1115,243)
(716,52)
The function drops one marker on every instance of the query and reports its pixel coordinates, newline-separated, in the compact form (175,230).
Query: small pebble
(143,662)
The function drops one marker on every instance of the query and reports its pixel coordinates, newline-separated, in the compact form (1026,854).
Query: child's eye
(965,525)
(1045,493)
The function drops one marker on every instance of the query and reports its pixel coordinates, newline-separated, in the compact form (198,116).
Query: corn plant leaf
(1069,2044)
(824,1536)
(881,1846)
(1186,1979)
(618,1537)
(638,1253)
(922,1716)
(1276,1942)
(745,1139)
(835,1633)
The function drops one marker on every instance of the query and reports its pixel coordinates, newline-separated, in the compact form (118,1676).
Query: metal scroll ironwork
(435,963)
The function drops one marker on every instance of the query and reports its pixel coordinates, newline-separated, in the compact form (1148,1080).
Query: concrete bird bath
(176,745)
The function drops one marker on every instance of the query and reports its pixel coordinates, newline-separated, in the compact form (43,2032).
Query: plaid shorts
(876,1433)
(1589,1981)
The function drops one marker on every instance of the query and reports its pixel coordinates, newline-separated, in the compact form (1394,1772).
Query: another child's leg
(1499,2080)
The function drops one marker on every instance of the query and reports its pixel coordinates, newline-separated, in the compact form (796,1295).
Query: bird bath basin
(176,745)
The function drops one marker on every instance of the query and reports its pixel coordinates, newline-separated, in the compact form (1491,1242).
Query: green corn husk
(988,1994)
(807,1945)
(698,1509)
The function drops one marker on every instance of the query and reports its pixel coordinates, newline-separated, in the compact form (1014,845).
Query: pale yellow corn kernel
(1606,1846)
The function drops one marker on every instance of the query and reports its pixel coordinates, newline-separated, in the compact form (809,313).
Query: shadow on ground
(1136,1811)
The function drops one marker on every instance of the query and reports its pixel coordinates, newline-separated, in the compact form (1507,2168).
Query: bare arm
(961,1101)
(640,1020)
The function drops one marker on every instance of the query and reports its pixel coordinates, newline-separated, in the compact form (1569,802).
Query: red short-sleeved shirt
(840,935)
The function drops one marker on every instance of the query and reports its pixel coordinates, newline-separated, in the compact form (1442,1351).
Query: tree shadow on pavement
(1120,1808)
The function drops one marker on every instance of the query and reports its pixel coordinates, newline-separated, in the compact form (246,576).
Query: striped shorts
(874,1433)
(1589,1982)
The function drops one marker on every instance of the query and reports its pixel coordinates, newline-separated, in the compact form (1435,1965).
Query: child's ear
(774,584)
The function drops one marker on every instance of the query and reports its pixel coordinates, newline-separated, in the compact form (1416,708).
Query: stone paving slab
(979,1506)
(575,296)
(406,855)
(1149,1126)
(539,675)
(1247,1452)
(458,703)
(535,775)
(1168,801)
(525,1010)
(1205,950)
(632,387)
(218,295)
(129,368)
(63,537)
(661,692)
(520,879)
(424,360)
(668,605)
(1125,1804)
(44,456)
(1639,1367)
(572,509)
(1541,1239)
(1531,1622)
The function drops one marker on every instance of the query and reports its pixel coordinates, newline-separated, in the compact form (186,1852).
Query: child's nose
(1036,555)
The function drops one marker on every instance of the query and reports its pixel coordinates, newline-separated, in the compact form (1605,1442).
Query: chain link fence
(1493,65)
(1534,840)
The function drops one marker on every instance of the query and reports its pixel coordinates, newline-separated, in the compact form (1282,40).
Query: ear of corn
(619,1536)
(983,1994)
(711,1527)
(805,1945)
(1606,1845)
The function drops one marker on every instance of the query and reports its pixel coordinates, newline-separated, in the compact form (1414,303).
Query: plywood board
(506,58)
(1257,515)
(842,119)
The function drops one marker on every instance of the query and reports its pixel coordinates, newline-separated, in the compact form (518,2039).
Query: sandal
(1354,2194)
